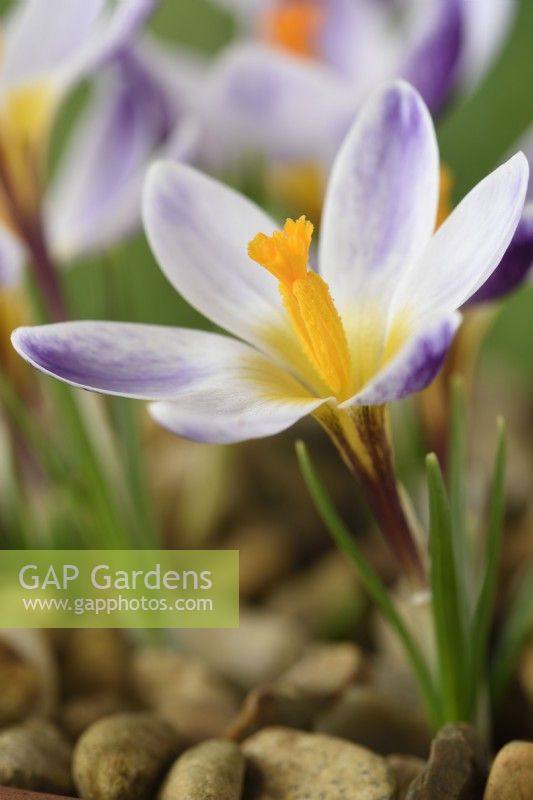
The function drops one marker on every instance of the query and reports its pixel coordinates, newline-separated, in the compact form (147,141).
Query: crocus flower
(44,55)
(372,325)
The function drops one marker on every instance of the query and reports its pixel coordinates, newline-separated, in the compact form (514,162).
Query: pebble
(123,757)
(511,775)
(213,770)
(192,697)
(77,714)
(21,687)
(95,660)
(363,715)
(287,764)
(405,769)
(36,756)
(457,767)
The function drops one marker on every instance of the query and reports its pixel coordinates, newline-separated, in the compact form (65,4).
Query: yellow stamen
(308,302)
(445,195)
(294,25)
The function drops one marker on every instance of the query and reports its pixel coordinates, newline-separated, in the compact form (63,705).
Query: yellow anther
(308,302)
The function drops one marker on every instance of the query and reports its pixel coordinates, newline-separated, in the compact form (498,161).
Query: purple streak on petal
(433,65)
(514,267)
(123,28)
(414,368)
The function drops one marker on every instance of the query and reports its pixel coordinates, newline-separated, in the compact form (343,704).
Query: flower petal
(199,231)
(468,247)
(261,102)
(487,27)
(415,366)
(514,267)
(222,389)
(381,201)
(12,256)
(39,41)
(150,362)
(96,196)
(433,64)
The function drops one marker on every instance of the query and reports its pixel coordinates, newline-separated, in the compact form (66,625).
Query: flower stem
(361,438)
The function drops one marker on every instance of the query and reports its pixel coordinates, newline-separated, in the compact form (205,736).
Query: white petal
(487,27)
(468,246)
(39,39)
(12,256)
(199,231)
(381,201)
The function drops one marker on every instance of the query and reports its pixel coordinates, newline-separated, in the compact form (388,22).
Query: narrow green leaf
(485,603)
(457,491)
(518,626)
(447,614)
(372,583)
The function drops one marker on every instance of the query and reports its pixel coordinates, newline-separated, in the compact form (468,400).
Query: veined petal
(381,202)
(413,368)
(225,413)
(12,256)
(468,247)
(149,362)
(434,60)
(39,40)
(96,196)
(514,267)
(261,102)
(199,231)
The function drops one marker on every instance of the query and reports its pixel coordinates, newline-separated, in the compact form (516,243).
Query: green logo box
(119,588)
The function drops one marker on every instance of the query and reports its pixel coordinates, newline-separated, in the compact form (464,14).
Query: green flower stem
(373,585)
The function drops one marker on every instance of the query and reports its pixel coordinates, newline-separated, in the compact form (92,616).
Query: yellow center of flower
(294,26)
(308,301)
(25,114)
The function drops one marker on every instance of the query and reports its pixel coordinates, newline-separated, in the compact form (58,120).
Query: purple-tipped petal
(96,197)
(415,366)
(468,247)
(151,362)
(515,266)
(381,201)
(434,62)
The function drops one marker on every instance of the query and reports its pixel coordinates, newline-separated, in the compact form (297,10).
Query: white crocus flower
(372,325)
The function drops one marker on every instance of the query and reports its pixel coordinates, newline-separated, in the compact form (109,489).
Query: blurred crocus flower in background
(308,64)
(378,330)
(44,56)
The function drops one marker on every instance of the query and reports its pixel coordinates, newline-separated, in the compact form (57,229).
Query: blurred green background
(474,136)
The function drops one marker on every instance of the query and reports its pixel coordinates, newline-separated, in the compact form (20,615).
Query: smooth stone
(21,685)
(511,775)
(79,713)
(457,767)
(35,756)
(193,698)
(363,715)
(405,769)
(285,764)
(213,770)
(95,660)
(325,670)
(123,757)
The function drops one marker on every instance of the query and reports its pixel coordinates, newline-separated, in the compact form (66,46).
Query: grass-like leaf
(481,623)
(372,584)
(457,493)
(449,622)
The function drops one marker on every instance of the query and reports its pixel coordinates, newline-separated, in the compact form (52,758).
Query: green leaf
(449,623)
(372,583)
(457,491)
(481,623)
(518,627)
